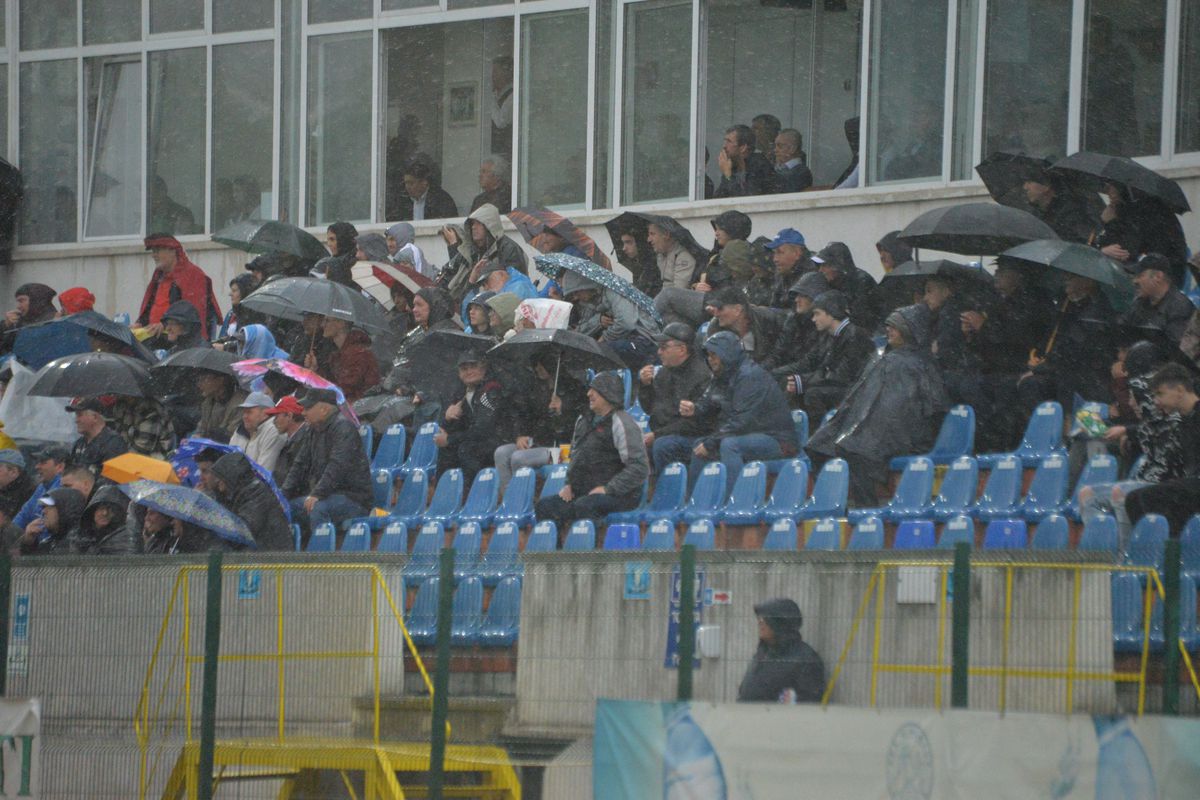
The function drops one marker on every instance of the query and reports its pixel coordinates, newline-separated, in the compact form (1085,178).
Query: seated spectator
(220,405)
(947,304)
(16,484)
(352,365)
(1179,498)
(611,319)
(257,341)
(608,460)
(422,198)
(176,278)
(1068,213)
(403,249)
(239,288)
(496,278)
(240,490)
(785,669)
(766,129)
(755,328)
(371,247)
(205,481)
(636,255)
(143,422)
(743,171)
(475,314)
(256,436)
(35,303)
(799,336)
(1158,304)
(330,477)
(1135,224)
(469,432)
(543,419)
(480,238)
(792,260)
(502,313)
(181,328)
(676,265)
(683,376)
(400,317)
(895,408)
(163,535)
(10,534)
(834,364)
(308,339)
(341,241)
(433,310)
(102,528)
(837,265)
(82,479)
(287,417)
(494,182)
(51,534)
(731,253)
(97,442)
(752,418)
(48,465)
(791,163)
(75,300)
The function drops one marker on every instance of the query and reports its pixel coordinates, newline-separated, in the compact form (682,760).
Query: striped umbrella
(532,220)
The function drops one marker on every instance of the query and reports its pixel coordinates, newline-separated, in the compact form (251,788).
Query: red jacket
(190,283)
(353,367)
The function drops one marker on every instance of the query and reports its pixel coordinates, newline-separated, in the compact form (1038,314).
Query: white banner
(20,748)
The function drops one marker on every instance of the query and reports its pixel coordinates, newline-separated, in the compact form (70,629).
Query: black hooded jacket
(69,504)
(254,502)
(337,268)
(185,313)
(114,539)
(441,317)
(787,663)
(745,398)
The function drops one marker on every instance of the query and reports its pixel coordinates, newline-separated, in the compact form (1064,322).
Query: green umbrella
(1075,259)
(270,236)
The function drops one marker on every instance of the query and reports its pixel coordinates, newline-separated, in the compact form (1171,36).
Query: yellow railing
(150,721)
(876,589)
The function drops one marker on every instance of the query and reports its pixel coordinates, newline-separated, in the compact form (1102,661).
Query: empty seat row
(470,624)
(1128,614)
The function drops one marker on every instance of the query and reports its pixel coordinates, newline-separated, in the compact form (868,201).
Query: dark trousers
(591,506)
(469,458)
(1176,500)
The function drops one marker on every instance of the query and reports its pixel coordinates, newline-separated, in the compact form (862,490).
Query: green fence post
(687,621)
(960,625)
(441,676)
(5,611)
(1171,627)
(208,700)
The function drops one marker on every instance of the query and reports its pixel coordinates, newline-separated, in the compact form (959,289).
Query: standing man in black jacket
(683,376)
(836,362)
(785,669)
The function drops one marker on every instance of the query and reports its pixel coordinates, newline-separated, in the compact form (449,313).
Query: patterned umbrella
(376,279)
(184,464)
(257,367)
(532,220)
(553,264)
(191,506)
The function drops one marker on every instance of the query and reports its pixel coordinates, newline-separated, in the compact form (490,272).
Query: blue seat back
(914,535)
(423,453)
(1044,432)
(1048,489)
(357,539)
(467,544)
(467,612)
(959,484)
(581,538)
(556,478)
(749,488)
(791,486)
(410,501)
(959,529)
(518,496)
(390,452)
(323,539)
(701,534)
(1003,487)
(381,488)
(424,608)
(297,536)
(1053,533)
(543,539)
(484,494)
(1005,534)
(447,496)
(781,536)
(1187,611)
(709,492)
(366,435)
(428,542)
(831,489)
(502,620)
(671,489)
(502,547)
(915,486)
(825,535)
(659,536)
(1127,608)
(622,536)
(1099,533)
(956,436)
(800,422)
(867,535)
(1189,546)
(1100,468)
(394,538)
(828,416)
(1148,541)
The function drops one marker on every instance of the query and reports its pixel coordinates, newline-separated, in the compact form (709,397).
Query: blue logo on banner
(672,659)
(21,617)
(249,584)
(637,580)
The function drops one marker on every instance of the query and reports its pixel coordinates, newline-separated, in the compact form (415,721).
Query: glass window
(1027,77)
(242,15)
(113,157)
(337,10)
(47,23)
(112,21)
(1123,77)
(606,78)
(962,154)
(176,138)
(403,5)
(243,90)
(339,128)
(908,95)
(291,122)
(176,15)
(657,104)
(554,73)
(49,155)
(456,4)
(449,109)
(1187,126)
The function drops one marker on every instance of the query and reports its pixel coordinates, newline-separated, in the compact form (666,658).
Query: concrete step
(473,720)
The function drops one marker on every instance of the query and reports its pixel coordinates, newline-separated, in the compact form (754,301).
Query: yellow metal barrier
(876,588)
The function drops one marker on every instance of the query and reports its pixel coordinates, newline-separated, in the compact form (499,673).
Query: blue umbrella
(184,462)
(553,264)
(191,506)
(38,345)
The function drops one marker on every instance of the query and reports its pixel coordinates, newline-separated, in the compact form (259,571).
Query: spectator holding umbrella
(543,420)
(246,495)
(352,365)
(176,278)
(145,425)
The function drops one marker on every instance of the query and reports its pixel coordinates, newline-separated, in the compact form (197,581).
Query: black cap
(87,404)
(487,269)
(1152,261)
(52,452)
(470,357)
(314,396)
(676,332)
(728,296)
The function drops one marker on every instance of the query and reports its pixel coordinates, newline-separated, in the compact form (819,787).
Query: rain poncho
(257,341)
(250,498)
(186,282)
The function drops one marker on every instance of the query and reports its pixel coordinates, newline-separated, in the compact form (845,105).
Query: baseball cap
(288,405)
(470,357)
(314,396)
(786,236)
(86,404)
(12,456)
(52,452)
(257,400)
(489,268)
(1152,261)
(676,332)
(727,296)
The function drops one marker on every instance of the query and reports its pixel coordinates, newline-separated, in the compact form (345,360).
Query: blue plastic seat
(1048,490)
(830,414)
(323,539)
(622,536)
(581,538)
(746,499)
(381,488)
(543,538)
(1053,533)
(1189,548)
(1005,534)
(1127,613)
(1100,468)
(957,492)
(467,543)
(447,498)
(1189,629)
(781,536)
(1099,533)
(517,505)
(826,534)
(366,435)
(659,536)
(390,452)
(914,534)
(1148,541)
(707,495)
(1043,436)
(669,494)
(502,620)
(955,438)
(297,536)
(482,499)
(423,562)
(500,560)
(701,534)
(960,529)
(357,539)
(1001,498)
(410,501)
(912,498)
(867,535)
(467,612)
(787,496)
(556,478)
(394,538)
(829,492)
(422,454)
(800,422)
(422,617)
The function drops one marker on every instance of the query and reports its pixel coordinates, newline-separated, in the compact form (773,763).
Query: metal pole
(687,620)
(1171,628)
(960,625)
(441,676)
(5,613)
(208,700)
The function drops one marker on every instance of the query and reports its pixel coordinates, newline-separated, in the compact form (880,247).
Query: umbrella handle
(557,367)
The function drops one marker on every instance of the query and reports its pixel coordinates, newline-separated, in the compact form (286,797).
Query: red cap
(288,405)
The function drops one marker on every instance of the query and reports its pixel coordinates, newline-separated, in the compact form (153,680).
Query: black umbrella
(627,222)
(574,350)
(177,372)
(1075,259)
(1098,169)
(270,236)
(292,298)
(91,374)
(103,327)
(680,234)
(435,359)
(970,280)
(1004,174)
(922,269)
(974,229)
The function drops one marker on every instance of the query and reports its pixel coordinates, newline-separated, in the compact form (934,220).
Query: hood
(574,282)
(489,215)
(260,343)
(40,296)
(734,223)
(441,306)
(185,313)
(738,258)
(611,387)
(165,240)
(891,244)
(70,508)
(810,284)
(680,234)
(106,495)
(727,347)
(838,254)
(373,245)
(913,322)
(234,468)
(402,232)
(505,305)
(781,614)
(345,233)
(77,299)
